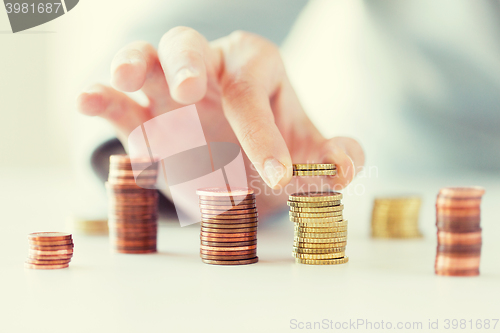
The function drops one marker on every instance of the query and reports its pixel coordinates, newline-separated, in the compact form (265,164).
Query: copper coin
(238,244)
(458,272)
(56,266)
(138,251)
(231,200)
(228,212)
(227,253)
(229,225)
(470,212)
(455,238)
(132,239)
(135,248)
(228,235)
(228,231)
(457,219)
(49,236)
(223,192)
(460,203)
(229,217)
(241,239)
(226,208)
(51,247)
(47,262)
(248,256)
(448,262)
(49,253)
(458,227)
(231,262)
(51,257)
(475,248)
(55,243)
(237,248)
(234,203)
(462,192)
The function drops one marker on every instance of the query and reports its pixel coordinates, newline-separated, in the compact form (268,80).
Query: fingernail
(183,74)
(274,172)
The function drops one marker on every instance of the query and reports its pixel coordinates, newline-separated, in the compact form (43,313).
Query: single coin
(231,262)
(52,247)
(458,219)
(307,220)
(320,235)
(315,215)
(462,192)
(139,244)
(229,217)
(226,202)
(51,257)
(322,262)
(319,230)
(223,192)
(230,200)
(238,212)
(227,253)
(458,272)
(455,238)
(229,225)
(449,262)
(315,196)
(214,239)
(225,208)
(235,244)
(228,235)
(318,251)
(309,256)
(55,266)
(470,212)
(310,173)
(247,256)
(47,262)
(46,243)
(233,249)
(313,204)
(317,209)
(319,240)
(139,251)
(313,166)
(49,236)
(463,203)
(228,231)
(49,253)
(342,223)
(458,227)
(319,245)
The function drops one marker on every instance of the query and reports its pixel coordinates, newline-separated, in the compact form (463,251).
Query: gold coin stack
(396,217)
(89,227)
(133,210)
(307,170)
(320,231)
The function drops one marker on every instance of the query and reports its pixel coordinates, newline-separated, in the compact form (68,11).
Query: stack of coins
(89,227)
(49,250)
(133,210)
(228,226)
(458,218)
(314,170)
(320,230)
(396,217)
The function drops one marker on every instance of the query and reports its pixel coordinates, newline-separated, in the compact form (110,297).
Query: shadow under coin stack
(396,217)
(458,219)
(49,250)
(133,210)
(228,226)
(320,230)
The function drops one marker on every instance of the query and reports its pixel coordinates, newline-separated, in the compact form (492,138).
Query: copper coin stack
(49,250)
(458,218)
(133,210)
(320,229)
(228,226)
(396,217)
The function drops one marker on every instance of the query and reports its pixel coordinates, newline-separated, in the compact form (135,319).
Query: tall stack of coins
(228,226)
(133,210)
(396,217)
(458,218)
(307,170)
(320,230)
(49,250)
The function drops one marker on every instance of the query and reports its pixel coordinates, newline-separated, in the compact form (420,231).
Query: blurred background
(415,82)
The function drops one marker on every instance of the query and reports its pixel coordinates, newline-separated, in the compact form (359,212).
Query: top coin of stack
(49,250)
(228,226)
(458,218)
(133,209)
(396,217)
(320,230)
(307,170)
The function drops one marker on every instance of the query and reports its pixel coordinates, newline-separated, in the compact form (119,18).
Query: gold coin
(315,196)
(313,215)
(309,173)
(320,235)
(322,262)
(313,166)
(319,230)
(317,209)
(319,256)
(314,204)
(342,223)
(319,240)
(316,220)
(319,245)
(318,251)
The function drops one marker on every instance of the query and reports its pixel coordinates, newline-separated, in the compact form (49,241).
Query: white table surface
(173,291)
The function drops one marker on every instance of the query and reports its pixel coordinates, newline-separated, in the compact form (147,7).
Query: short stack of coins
(133,210)
(49,250)
(320,236)
(458,221)
(396,217)
(307,170)
(228,226)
